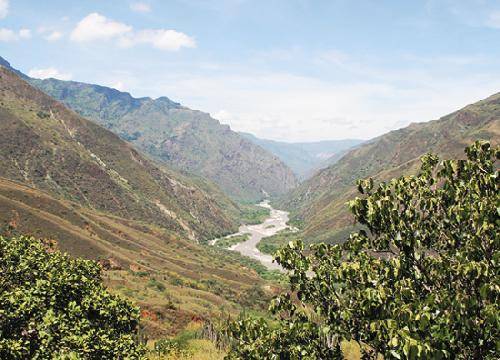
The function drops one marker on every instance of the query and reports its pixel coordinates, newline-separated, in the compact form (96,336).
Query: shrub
(422,283)
(54,305)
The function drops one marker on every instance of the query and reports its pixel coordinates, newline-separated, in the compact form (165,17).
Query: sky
(290,70)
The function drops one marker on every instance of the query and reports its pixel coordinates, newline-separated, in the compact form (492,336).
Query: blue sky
(294,70)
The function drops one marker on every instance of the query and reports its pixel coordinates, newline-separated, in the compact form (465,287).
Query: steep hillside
(306,158)
(186,139)
(48,147)
(172,279)
(320,201)
(69,180)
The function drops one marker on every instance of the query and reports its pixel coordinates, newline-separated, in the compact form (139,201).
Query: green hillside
(49,147)
(188,140)
(69,180)
(320,202)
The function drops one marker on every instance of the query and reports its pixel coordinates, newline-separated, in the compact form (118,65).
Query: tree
(420,282)
(54,306)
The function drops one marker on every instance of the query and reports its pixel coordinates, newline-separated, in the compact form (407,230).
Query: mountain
(49,147)
(67,179)
(320,202)
(304,158)
(188,140)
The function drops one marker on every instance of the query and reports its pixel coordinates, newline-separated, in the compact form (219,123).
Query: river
(276,221)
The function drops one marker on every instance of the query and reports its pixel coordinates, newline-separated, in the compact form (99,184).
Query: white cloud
(223,116)
(160,39)
(8,35)
(140,7)
(25,34)
(97,27)
(285,106)
(4,8)
(53,36)
(494,20)
(119,85)
(49,73)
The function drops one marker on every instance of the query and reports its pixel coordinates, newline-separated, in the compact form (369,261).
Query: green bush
(52,305)
(253,214)
(227,242)
(155,284)
(422,283)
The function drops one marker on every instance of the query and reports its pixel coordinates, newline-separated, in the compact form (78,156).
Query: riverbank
(276,222)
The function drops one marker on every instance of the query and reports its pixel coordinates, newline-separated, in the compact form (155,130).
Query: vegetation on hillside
(53,306)
(73,158)
(423,282)
(171,278)
(320,201)
(185,139)
(271,244)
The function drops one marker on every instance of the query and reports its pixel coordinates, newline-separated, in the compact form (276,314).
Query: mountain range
(137,183)
(188,140)
(49,147)
(68,179)
(305,158)
(320,202)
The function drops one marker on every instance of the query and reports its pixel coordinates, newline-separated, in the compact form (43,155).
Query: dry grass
(173,279)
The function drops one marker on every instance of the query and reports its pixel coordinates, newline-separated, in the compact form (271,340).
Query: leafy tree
(422,282)
(54,306)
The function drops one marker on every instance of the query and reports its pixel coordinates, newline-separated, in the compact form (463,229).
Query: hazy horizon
(294,71)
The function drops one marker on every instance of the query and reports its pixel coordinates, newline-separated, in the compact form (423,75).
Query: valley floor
(276,222)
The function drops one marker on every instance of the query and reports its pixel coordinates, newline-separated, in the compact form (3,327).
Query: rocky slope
(320,202)
(51,148)
(186,139)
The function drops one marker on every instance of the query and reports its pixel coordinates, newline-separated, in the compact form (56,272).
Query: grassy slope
(321,201)
(173,279)
(51,148)
(51,186)
(183,138)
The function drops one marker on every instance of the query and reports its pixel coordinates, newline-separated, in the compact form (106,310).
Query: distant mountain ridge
(320,202)
(304,158)
(188,140)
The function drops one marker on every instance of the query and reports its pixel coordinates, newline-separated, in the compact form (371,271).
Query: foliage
(252,214)
(155,284)
(170,347)
(255,265)
(320,200)
(422,283)
(271,244)
(51,304)
(190,343)
(229,241)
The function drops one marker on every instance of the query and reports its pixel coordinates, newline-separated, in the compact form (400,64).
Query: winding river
(275,222)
